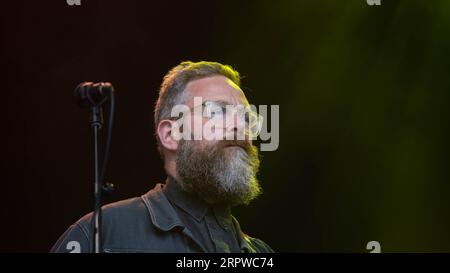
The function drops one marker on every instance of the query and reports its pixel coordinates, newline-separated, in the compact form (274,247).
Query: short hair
(174,83)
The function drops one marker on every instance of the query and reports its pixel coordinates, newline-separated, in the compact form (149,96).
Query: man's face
(221,169)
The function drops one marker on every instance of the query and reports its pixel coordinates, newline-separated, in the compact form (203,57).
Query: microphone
(90,94)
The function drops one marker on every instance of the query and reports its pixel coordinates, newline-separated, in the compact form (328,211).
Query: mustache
(244,144)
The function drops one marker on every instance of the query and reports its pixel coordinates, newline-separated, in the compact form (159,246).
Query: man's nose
(236,126)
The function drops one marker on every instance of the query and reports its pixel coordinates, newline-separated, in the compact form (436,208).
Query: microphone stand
(94,96)
(96,125)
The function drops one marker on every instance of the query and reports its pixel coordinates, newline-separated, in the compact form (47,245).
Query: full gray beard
(217,173)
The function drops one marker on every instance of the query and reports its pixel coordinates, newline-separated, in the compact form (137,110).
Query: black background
(363,94)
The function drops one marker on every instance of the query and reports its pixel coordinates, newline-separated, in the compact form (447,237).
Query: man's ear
(166,135)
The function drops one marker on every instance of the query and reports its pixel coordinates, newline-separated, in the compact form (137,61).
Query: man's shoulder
(125,222)
(123,210)
(257,245)
(252,244)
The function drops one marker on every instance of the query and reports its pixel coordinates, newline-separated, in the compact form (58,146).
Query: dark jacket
(144,224)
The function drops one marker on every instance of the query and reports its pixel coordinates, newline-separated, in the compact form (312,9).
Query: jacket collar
(190,203)
(164,217)
(194,205)
(162,214)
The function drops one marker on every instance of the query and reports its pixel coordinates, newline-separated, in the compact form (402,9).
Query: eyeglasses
(221,115)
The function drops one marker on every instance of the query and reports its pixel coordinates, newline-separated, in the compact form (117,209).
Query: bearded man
(211,166)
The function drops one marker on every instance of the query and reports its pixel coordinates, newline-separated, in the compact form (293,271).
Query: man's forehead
(216,88)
